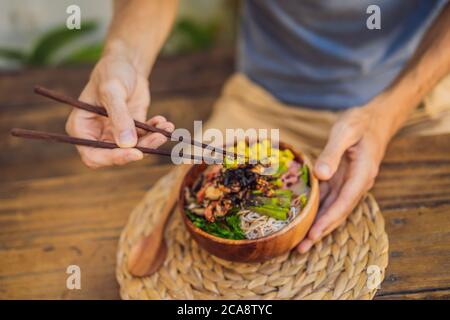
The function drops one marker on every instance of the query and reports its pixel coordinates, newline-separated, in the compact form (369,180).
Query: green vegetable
(278,182)
(282,199)
(284,202)
(228,227)
(234,223)
(283,192)
(303,200)
(282,168)
(271,211)
(304,172)
(267,201)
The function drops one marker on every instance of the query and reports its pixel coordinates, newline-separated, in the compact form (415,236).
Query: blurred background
(36,48)
(38,241)
(33,32)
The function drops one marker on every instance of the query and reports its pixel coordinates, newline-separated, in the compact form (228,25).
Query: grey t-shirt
(320,53)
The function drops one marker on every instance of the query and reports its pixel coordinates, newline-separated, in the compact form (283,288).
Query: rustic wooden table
(54,212)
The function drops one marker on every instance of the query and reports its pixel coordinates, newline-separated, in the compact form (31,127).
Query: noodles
(255,225)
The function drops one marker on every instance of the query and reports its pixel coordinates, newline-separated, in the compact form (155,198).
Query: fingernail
(134,156)
(165,125)
(323,169)
(161,140)
(304,247)
(157,141)
(127,138)
(307,247)
(315,234)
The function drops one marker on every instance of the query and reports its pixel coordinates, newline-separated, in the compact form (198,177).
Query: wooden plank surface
(48,224)
(413,190)
(54,212)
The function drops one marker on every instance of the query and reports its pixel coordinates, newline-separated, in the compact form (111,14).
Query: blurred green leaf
(197,36)
(47,46)
(13,54)
(86,55)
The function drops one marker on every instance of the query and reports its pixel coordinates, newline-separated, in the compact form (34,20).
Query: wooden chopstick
(102,111)
(56,137)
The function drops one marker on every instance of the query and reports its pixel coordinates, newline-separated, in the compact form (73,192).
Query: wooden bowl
(255,250)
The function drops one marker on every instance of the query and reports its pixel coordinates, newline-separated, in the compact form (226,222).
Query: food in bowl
(246,201)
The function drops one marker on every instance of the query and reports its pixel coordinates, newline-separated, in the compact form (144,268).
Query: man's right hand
(116,85)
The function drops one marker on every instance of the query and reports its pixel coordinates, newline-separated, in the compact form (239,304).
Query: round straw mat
(347,264)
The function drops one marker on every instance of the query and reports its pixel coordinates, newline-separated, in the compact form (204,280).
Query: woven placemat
(347,264)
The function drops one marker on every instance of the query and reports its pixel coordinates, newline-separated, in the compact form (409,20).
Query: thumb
(341,138)
(114,97)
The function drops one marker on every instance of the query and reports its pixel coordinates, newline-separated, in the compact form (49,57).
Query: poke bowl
(250,212)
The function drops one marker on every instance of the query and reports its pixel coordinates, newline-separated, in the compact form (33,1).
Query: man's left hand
(347,168)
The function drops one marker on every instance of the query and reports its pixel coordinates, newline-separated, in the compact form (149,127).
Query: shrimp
(209,214)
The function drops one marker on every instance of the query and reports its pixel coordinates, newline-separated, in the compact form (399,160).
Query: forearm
(430,63)
(138,30)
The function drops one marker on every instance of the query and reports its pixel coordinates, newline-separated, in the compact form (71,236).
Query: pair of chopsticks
(40,135)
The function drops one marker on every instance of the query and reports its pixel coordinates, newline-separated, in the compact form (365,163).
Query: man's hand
(350,160)
(347,168)
(124,92)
